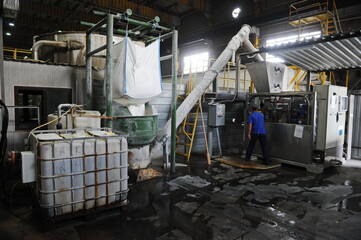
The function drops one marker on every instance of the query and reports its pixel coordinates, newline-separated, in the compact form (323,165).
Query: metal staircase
(301,13)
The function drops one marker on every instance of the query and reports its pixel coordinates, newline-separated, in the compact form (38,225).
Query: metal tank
(73,57)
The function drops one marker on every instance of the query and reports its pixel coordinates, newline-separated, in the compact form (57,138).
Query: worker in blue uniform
(257,131)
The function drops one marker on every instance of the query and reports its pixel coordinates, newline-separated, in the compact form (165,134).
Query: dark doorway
(47,99)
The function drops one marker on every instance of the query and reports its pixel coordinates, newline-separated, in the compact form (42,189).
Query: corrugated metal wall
(162,103)
(230,134)
(356,134)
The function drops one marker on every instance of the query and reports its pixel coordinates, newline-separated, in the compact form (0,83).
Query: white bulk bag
(137,71)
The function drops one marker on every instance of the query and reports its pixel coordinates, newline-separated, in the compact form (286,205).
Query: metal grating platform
(332,52)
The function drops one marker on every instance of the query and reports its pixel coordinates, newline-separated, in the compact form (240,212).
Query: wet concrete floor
(219,202)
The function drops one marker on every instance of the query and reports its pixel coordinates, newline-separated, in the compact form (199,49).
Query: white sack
(136,70)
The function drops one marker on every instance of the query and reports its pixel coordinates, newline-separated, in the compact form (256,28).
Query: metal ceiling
(333,52)
(36,17)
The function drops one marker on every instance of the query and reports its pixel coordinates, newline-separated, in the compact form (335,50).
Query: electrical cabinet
(331,116)
(216,114)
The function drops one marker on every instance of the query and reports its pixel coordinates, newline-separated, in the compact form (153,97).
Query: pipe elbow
(69,105)
(241,37)
(70,45)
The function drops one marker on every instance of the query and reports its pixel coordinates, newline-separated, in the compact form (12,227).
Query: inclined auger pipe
(248,47)
(239,39)
(70,45)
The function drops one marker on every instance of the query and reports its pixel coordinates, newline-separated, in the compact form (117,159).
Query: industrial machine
(305,129)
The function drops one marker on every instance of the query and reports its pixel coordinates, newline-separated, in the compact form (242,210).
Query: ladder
(331,24)
(328,26)
(186,132)
(187,129)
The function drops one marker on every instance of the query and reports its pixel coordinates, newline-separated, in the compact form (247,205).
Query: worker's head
(254,107)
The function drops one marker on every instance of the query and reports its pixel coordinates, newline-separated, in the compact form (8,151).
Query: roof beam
(202,5)
(54,11)
(138,10)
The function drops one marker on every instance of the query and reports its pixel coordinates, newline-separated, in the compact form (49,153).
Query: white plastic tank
(81,119)
(80,170)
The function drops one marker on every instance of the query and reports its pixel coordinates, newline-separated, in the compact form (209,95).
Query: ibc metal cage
(80,171)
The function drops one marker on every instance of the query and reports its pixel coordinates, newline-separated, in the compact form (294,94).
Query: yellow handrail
(15,51)
(294,9)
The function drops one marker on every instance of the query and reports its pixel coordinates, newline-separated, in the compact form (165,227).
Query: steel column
(89,74)
(210,139)
(308,87)
(174,98)
(350,114)
(109,68)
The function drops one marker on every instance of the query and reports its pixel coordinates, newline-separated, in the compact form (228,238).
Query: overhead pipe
(239,39)
(69,45)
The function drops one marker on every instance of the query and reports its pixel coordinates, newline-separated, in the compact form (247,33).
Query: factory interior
(180,119)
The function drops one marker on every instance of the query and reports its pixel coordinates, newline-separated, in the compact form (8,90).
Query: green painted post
(109,69)
(174,98)
(89,77)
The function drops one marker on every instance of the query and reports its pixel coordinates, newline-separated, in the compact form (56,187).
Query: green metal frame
(174,99)
(142,28)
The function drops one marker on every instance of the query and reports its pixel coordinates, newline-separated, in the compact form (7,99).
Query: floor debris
(188,182)
(188,207)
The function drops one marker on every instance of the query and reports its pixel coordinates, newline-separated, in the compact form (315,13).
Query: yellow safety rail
(227,80)
(319,13)
(16,53)
(298,7)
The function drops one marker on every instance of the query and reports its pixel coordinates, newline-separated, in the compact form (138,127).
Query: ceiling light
(11,24)
(236,12)
(8,34)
